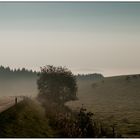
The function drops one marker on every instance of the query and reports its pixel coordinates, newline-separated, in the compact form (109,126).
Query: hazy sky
(85,37)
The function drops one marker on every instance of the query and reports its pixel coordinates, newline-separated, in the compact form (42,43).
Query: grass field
(114,101)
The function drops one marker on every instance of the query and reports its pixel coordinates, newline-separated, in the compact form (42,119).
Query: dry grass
(114,100)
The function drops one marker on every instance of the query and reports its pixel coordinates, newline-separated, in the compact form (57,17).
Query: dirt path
(7,102)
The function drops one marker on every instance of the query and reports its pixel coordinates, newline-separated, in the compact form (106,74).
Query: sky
(86,37)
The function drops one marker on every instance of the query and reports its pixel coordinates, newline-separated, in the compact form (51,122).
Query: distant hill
(115,100)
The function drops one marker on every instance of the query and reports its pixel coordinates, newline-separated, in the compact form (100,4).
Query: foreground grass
(26,119)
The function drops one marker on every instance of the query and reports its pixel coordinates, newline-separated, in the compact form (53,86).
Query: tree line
(94,76)
(7,72)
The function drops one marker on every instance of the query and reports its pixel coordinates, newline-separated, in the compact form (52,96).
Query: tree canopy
(57,84)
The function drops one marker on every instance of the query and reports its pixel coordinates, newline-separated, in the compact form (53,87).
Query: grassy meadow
(114,101)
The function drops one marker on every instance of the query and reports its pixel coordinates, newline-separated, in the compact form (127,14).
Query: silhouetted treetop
(57,84)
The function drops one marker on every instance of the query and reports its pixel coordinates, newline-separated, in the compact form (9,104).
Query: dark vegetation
(7,73)
(56,86)
(28,119)
(94,76)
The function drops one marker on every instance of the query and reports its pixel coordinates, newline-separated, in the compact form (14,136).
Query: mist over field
(17,82)
(69,69)
(20,86)
(113,100)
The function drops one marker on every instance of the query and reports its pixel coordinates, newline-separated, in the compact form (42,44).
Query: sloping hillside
(25,120)
(114,100)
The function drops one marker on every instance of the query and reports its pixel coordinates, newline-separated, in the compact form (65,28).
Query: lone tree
(56,84)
